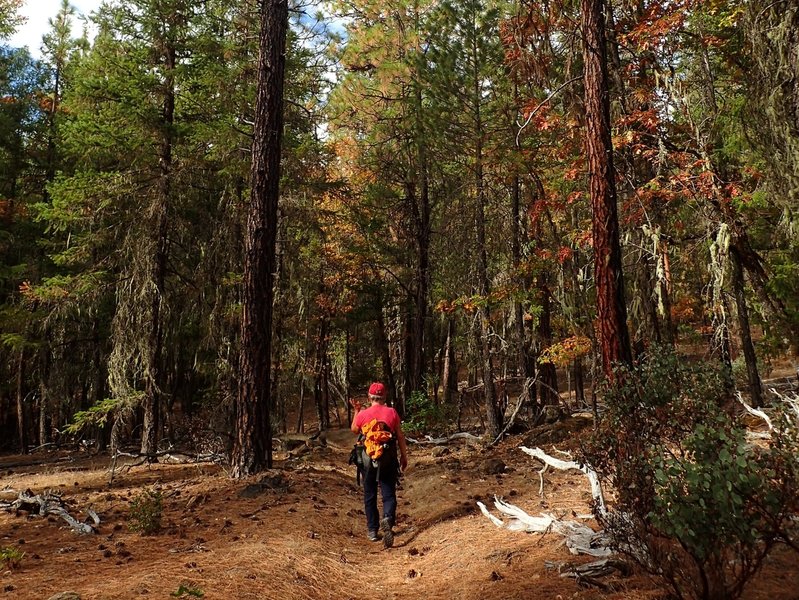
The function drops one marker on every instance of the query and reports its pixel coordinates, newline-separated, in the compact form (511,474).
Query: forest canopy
(440,224)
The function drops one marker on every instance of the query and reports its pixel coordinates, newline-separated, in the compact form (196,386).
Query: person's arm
(403,448)
(357,408)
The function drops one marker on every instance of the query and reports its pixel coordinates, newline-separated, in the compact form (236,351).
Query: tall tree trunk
(663,294)
(44,392)
(151,404)
(493,414)
(385,352)
(747,346)
(579,381)
(98,383)
(347,372)
(421,215)
(252,447)
(320,379)
(648,329)
(547,373)
(614,338)
(525,366)
(407,357)
(449,377)
(22,421)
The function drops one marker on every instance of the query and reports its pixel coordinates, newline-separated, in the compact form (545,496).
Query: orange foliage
(564,352)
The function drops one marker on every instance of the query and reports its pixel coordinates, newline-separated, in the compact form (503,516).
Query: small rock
(492,466)
(495,576)
(552,414)
(440,451)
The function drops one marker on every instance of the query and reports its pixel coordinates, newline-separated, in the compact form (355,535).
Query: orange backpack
(377,437)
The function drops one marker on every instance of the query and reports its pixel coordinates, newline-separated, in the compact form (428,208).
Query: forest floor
(304,537)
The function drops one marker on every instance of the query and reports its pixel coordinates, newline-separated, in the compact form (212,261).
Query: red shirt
(388,415)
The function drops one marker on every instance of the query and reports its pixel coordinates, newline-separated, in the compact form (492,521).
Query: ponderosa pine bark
(614,338)
(252,446)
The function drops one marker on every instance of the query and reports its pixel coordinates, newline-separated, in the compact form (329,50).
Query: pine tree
(252,449)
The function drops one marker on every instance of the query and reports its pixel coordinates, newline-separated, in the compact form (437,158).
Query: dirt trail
(308,540)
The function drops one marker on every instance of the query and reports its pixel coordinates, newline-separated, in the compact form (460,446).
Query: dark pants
(388,491)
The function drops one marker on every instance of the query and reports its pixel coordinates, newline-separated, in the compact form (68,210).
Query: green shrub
(188,591)
(144,515)
(696,504)
(422,415)
(10,557)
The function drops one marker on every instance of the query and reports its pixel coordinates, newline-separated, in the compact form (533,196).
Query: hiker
(382,423)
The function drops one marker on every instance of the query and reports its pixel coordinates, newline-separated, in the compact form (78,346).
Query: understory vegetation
(698,503)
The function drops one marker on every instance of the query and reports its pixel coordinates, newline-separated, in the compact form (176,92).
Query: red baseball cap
(377,389)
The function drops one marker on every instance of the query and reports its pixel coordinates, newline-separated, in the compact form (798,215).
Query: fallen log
(51,504)
(597,568)
(564,465)
(463,435)
(579,538)
(171,455)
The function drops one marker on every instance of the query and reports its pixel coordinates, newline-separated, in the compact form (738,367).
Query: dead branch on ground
(51,504)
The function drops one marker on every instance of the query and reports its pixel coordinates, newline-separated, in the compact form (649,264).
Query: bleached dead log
(463,435)
(51,504)
(563,465)
(579,538)
(755,412)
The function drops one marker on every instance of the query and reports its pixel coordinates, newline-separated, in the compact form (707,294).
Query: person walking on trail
(380,432)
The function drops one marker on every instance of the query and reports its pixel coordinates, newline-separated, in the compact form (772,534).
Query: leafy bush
(424,415)
(697,504)
(145,512)
(188,591)
(10,557)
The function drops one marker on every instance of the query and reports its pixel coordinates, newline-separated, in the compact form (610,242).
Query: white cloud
(37,14)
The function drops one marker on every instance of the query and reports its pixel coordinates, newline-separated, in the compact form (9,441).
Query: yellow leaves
(566,351)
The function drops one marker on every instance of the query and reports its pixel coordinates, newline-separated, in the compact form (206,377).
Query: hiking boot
(388,535)
(373,536)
